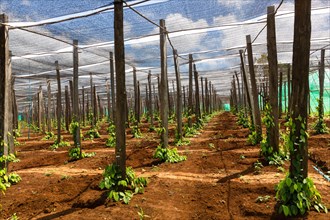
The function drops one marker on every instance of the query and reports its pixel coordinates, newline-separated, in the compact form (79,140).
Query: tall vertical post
(108,100)
(164,110)
(41,122)
(136,99)
(59,102)
(197,104)
(95,107)
(83,106)
(239,90)
(280,95)
(207,98)
(75,107)
(203,100)
(67,108)
(91,111)
(5,90)
(289,89)
(255,105)
(49,107)
(246,81)
(179,95)
(112,79)
(321,81)
(273,77)
(190,93)
(300,90)
(234,94)
(121,100)
(151,114)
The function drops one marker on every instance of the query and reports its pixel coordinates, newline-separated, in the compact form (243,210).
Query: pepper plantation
(164,109)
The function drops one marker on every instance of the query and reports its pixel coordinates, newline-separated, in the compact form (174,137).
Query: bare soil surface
(217,181)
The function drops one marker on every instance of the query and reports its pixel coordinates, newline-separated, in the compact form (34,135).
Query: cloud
(235,3)
(26,2)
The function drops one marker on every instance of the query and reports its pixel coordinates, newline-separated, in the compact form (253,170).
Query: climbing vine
(320,127)
(295,193)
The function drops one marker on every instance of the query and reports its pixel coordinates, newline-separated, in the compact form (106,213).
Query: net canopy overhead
(213,31)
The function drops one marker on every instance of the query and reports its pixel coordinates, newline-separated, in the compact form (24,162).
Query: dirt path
(218,180)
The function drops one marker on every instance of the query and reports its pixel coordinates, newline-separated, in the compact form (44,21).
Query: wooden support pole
(112,79)
(67,108)
(234,94)
(207,97)
(255,105)
(246,81)
(289,84)
(136,99)
(59,102)
(91,109)
(94,105)
(71,96)
(184,98)
(197,103)
(280,95)
(273,77)
(83,107)
(321,81)
(190,93)
(203,99)
(179,96)
(108,100)
(300,89)
(41,121)
(151,114)
(75,98)
(138,108)
(240,103)
(121,100)
(49,107)
(5,90)
(164,108)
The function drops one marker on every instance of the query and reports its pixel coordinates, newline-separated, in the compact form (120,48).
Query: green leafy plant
(136,131)
(61,144)
(111,141)
(262,199)
(242,119)
(190,131)
(14,178)
(257,167)
(254,138)
(92,133)
(320,126)
(122,189)
(297,197)
(74,154)
(168,155)
(141,214)
(14,217)
(180,141)
(49,135)
(296,194)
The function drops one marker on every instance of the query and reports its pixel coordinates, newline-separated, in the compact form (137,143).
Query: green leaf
(101,185)
(115,196)
(294,210)
(317,208)
(288,181)
(286,210)
(122,183)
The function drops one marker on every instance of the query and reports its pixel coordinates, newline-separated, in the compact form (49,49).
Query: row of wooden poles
(245,95)
(42,112)
(198,98)
(239,100)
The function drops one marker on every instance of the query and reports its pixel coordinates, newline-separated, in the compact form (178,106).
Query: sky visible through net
(42,31)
